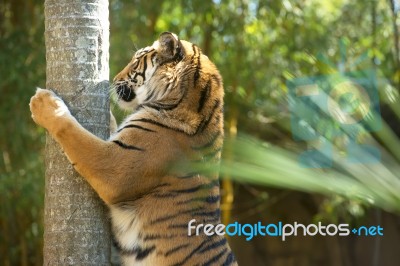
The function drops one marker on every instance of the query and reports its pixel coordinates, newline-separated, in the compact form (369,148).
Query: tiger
(174,94)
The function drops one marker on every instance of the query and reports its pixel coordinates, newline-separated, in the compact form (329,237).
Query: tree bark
(76,228)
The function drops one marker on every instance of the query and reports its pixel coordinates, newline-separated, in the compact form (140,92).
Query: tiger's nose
(125,93)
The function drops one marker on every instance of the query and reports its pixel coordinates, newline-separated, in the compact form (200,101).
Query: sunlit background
(264,50)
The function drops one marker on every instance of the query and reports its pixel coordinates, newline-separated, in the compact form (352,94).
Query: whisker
(115,85)
(112,93)
(135,47)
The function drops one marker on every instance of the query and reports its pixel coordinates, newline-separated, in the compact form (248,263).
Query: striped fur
(179,97)
(175,95)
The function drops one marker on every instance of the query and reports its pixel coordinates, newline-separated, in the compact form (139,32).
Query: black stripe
(156,192)
(141,74)
(176,249)
(218,118)
(184,93)
(215,213)
(143,253)
(197,72)
(149,96)
(135,64)
(214,245)
(212,154)
(159,106)
(194,251)
(189,190)
(174,226)
(199,187)
(204,95)
(159,236)
(153,237)
(116,243)
(165,90)
(133,219)
(135,126)
(215,258)
(217,79)
(164,195)
(125,146)
(168,107)
(212,198)
(209,143)
(203,125)
(144,64)
(209,199)
(196,52)
(150,121)
(173,216)
(229,259)
(152,58)
(133,78)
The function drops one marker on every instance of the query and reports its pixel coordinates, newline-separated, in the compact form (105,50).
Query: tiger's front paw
(48,109)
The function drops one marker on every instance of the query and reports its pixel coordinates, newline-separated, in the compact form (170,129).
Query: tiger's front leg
(95,159)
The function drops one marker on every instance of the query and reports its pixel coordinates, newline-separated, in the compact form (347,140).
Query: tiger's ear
(170,48)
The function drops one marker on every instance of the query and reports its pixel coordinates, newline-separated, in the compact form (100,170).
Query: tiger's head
(174,80)
(132,83)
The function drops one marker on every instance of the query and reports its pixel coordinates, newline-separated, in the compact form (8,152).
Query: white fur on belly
(126,232)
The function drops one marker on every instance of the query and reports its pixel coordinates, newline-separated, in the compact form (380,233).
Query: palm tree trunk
(76,229)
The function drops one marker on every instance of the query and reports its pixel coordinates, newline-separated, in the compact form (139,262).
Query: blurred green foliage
(22,68)
(258,46)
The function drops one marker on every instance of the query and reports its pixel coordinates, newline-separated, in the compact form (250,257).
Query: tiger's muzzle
(125,93)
